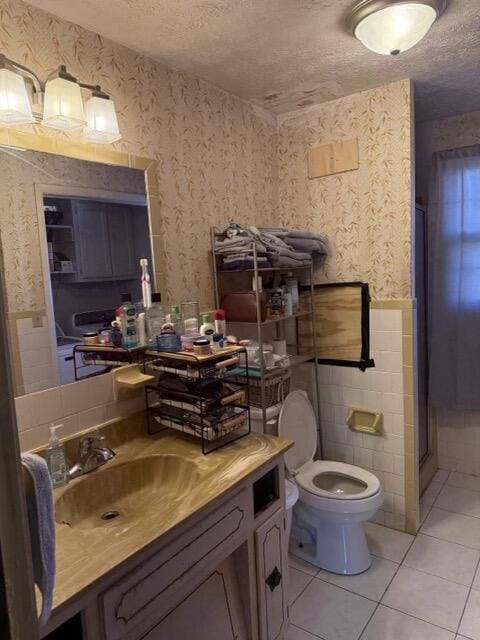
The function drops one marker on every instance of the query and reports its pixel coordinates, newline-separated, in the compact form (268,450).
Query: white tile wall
(458,437)
(79,406)
(380,389)
(38,370)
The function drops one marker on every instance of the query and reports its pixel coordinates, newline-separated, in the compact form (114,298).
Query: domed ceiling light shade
(102,124)
(63,107)
(389,27)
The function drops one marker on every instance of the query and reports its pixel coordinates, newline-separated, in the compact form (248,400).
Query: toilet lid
(297,422)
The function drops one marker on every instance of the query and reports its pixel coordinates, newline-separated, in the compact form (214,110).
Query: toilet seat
(363,483)
(298,422)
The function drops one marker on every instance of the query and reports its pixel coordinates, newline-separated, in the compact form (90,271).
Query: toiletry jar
(169,342)
(91,337)
(201,347)
(188,340)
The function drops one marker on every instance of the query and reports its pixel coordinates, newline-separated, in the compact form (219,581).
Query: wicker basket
(277,388)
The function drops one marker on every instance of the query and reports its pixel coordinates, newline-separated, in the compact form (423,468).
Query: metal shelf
(264,269)
(299,314)
(268,387)
(55,273)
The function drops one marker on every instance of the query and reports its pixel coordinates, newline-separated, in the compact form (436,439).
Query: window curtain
(454,279)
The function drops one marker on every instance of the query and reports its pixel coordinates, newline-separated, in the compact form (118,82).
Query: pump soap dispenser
(56,458)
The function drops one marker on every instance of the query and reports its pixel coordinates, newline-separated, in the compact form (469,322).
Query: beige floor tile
(297,581)
(387,624)
(431,492)
(444,559)
(424,511)
(453,527)
(427,597)
(441,475)
(295,633)
(370,584)
(476,580)
(330,612)
(301,565)
(470,625)
(459,500)
(387,543)
(464,481)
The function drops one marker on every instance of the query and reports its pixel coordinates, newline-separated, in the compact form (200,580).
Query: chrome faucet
(91,455)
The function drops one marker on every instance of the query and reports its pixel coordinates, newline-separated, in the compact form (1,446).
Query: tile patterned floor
(424,587)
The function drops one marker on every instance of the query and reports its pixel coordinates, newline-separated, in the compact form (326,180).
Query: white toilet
(335,498)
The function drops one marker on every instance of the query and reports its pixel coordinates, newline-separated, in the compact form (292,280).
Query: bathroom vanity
(164,542)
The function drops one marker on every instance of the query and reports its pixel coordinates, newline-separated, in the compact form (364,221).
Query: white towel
(42,529)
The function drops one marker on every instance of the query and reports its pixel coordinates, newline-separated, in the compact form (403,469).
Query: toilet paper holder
(365,420)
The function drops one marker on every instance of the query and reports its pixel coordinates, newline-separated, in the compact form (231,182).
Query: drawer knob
(274,579)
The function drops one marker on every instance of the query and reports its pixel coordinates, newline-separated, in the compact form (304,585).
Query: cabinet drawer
(139,599)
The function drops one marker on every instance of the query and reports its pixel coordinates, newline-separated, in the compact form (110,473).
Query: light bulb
(102,124)
(63,107)
(15,106)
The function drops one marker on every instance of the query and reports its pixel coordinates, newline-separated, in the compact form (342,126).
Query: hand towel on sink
(39,499)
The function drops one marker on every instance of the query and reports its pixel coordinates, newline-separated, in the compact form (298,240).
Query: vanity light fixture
(63,104)
(14,101)
(58,103)
(389,27)
(102,124)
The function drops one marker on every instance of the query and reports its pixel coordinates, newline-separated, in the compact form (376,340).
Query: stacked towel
(314,244)
(276,247)
(39,499)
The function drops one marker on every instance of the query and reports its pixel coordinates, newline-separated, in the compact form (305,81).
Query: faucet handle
(88,441)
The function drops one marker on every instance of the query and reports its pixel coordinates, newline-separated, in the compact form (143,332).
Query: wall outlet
(37,321)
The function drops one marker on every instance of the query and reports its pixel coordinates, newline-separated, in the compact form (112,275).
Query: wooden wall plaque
(335,157)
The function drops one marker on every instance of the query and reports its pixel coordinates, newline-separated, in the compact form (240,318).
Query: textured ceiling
(285,54)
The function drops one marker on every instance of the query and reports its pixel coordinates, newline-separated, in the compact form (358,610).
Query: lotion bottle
(208,328)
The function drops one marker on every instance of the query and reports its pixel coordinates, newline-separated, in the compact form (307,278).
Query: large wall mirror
(73,233)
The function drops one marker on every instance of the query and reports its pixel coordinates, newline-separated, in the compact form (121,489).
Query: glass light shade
(395,28)
(102,124)
(63,106)
(14,103)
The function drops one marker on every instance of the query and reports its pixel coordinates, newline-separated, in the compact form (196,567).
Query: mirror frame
(38,140)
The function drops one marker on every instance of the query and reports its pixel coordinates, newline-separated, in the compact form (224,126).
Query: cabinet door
(91,239)
(212,612)
(122,249)
(272,568)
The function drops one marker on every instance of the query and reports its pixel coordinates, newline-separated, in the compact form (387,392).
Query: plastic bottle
(207,328)
(146,284)
(155,320)
(56,458)
(176,318)
(128,322)
(220,324)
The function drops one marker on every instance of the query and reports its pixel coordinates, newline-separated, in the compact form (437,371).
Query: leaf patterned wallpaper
(216,153)
(221,159)
(19,231)
(441,135)
(366,213)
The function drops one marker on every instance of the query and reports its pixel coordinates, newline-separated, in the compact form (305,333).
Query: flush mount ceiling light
(389,27)
(58,103)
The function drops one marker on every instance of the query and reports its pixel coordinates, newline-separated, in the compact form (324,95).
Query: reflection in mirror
(73,233)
